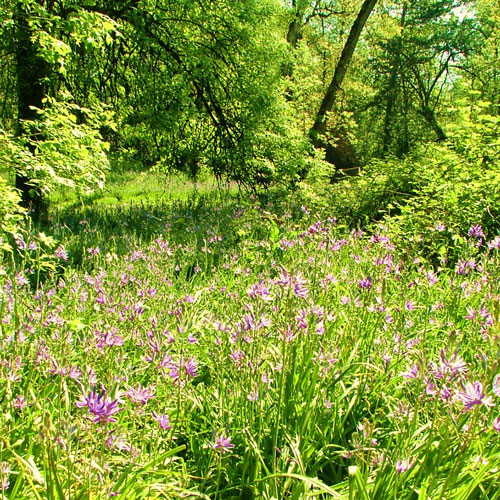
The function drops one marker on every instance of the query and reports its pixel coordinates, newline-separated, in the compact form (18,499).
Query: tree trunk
(293,35)
(392,92)
(428,113)
(31,71)
(340,71)
(295,27)
(403,142)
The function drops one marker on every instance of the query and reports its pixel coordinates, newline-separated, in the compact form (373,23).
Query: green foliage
(361,199)
(451,185)
(209,95)
(191,87)
(456,184)
(62,148)
(11,214)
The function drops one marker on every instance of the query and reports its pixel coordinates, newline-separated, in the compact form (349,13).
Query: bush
(11,214)
(456,185)
(439,189)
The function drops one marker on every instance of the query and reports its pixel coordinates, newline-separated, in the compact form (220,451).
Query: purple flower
(445,393)
(473,395)
(430,388)
(20,402)
(496,424)
(237,357)
(21,280)
(163,421)
(61,253)
(248,323)
(411,372)
(452,367)
(5,471)
(253,395)
(302,319)
(404,465)
(140,395)
(191,367)
(93,251)
(431,277)
(74,372)
(222,443)
(259,290)
(476,231)
(365,283)
(409,305)
(21,244)
(495,243)
(118,443)
(464,266)
(108,338)
(299,288)
(174,372)
(471,314)
(92,379)
(101,407)
(496,386)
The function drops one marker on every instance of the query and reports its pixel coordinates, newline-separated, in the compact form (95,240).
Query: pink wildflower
(222,443)
(473,395)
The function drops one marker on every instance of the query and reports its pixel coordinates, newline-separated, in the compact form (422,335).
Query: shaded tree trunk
(403,141)
(430,117)
(293,36)
(31,72)
(392,92)
(295,27)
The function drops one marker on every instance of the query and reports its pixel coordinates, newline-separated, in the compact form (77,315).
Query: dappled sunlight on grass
(231,349)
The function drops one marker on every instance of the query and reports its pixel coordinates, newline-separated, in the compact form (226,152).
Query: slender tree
(32,72)
(392,90)
(335,86)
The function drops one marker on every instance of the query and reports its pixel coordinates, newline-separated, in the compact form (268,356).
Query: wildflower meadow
(242,350)
(250,249)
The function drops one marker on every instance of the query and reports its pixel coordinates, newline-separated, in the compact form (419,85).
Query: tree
(334,88)
(190,84)
(479,71)
(54,141)
(32,71)
(413,51)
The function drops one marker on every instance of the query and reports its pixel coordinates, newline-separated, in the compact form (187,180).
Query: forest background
(290,94)
(250,249)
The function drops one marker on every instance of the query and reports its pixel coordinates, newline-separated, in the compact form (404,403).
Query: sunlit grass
(139,187)
(206,348)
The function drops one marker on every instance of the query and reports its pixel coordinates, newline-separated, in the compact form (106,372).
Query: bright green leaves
(91,30)
(53,50)
(209,93)
(11,214)
(63,147)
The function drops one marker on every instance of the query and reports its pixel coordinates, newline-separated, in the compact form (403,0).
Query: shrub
(11,214)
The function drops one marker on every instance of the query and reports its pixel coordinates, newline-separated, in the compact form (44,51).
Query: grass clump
(209,349)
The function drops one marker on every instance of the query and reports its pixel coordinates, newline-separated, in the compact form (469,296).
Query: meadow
(212,346)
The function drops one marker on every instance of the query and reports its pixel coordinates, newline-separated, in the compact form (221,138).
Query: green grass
(136,187)
(249,322)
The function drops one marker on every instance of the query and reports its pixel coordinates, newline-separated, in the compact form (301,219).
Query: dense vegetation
(250,249)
